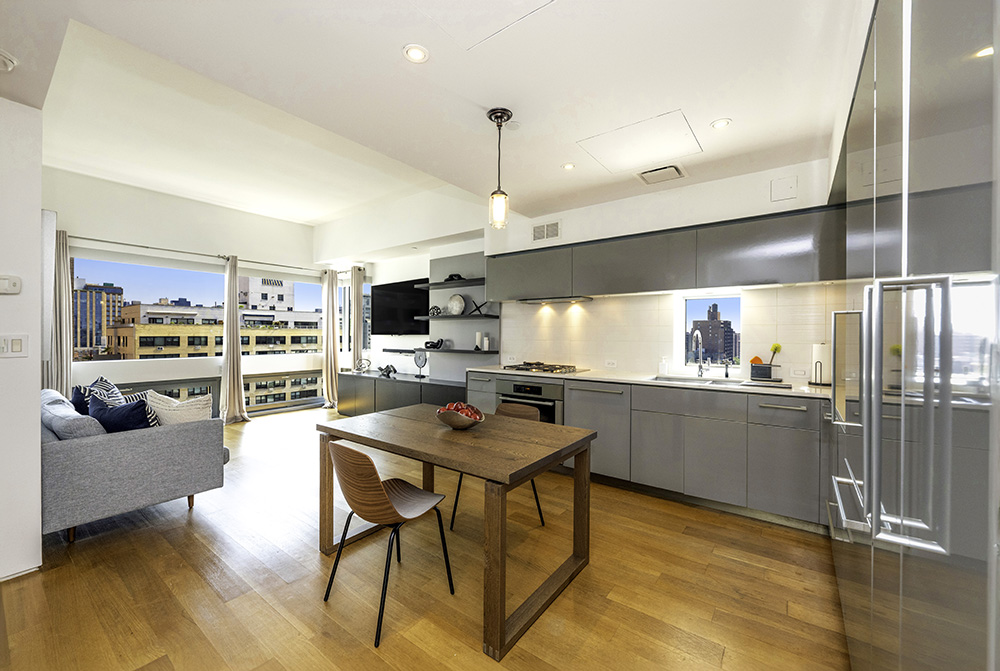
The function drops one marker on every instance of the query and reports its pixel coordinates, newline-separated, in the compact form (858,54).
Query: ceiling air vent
(664,174)
(545,231)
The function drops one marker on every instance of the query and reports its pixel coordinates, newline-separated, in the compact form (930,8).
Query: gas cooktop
(539,367)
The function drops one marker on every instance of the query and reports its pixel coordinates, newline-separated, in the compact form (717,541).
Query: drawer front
(795,413)
(481,382)
(731,406)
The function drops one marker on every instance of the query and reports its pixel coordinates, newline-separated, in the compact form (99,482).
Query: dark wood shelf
(457,351)
(397,351)
(471,282)
(424,318)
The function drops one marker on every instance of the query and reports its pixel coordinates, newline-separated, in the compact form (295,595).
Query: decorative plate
(456,304)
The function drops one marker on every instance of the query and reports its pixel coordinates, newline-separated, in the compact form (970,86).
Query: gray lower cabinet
(715,459)
(355,394)
(654,262)
(440,394)
(546,273)
(783,470)
(658,450)
(605,408)
(481,391)
(391,394)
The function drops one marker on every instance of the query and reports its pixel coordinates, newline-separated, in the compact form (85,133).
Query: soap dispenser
(663,366)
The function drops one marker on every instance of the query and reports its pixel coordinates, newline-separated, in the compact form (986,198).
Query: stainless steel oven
(545,395)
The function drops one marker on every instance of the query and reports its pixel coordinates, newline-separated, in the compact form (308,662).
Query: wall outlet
(511,359)
(610,363)
(798,372)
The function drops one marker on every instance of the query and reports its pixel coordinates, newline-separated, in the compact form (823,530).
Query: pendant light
(498,199)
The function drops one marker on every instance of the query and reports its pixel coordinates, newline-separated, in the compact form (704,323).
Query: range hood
(555,299)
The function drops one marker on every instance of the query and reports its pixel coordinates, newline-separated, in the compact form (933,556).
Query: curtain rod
(181,251)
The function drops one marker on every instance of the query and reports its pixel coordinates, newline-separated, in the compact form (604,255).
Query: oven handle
(512,399)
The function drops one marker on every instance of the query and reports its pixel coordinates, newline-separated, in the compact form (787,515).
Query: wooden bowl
(457,420)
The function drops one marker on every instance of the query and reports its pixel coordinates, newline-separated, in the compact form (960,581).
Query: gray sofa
(88,474)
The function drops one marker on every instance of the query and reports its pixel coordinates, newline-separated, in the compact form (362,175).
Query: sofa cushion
(48,436)
(114,418)
(142,396)
(171,411)
(60,417)
(102,386)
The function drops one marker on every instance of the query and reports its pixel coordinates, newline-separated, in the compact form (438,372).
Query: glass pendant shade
(498,209)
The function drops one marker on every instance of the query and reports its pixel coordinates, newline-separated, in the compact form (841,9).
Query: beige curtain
(57,371)
(330,341)
(357,313)
(232,407)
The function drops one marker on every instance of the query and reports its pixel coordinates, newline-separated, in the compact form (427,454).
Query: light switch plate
(10,284)
(13,345)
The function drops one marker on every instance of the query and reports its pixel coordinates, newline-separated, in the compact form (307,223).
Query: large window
(712,330)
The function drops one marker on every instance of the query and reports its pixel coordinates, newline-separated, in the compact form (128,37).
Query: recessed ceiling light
(416,53)
(986,51)
(568,166)
(7,62)
(721,123)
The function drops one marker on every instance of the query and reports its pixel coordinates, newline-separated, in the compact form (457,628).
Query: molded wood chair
(390,502)
(519,411)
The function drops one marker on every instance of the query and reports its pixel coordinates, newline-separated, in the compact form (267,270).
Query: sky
(148,284)
(729,309)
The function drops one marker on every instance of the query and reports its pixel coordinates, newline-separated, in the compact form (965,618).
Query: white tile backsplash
(636,331)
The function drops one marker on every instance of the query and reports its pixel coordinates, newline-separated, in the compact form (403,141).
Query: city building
(719,341)
(96,308)
(265,293)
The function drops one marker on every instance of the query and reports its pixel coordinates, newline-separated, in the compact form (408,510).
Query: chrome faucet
(700,350)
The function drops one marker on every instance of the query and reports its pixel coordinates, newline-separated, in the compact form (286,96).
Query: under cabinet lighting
(982,53)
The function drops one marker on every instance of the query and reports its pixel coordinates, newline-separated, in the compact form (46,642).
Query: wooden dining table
(505,452)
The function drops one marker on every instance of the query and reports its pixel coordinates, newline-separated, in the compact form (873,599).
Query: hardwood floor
(237,582)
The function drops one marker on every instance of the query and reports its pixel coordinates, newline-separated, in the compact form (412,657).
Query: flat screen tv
(395,305)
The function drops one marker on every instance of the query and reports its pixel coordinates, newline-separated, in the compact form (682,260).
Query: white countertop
(648,379)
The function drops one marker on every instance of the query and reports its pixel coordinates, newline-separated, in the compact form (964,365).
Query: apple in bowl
(459,415)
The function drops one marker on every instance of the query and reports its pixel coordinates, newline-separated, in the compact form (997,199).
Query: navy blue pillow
(80,401)
(119,417)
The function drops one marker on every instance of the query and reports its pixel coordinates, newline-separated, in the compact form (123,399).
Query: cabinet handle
(481,379)
(799,408)
(526,400)
(600,391)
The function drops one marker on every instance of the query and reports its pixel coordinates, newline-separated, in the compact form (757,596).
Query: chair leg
(190,500)
(340,548)
(385,584)
(71,534)
(454,507)
(444,549)
(534,490)
(399,542)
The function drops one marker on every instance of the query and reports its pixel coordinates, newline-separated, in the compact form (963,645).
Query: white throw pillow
(171,411)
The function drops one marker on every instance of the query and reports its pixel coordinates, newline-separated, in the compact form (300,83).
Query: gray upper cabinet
(648,263)
(547,273)
(949,230)
(799,247)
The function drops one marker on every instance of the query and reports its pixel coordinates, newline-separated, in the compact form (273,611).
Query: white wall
(719,200)
(20,254)
(96,208)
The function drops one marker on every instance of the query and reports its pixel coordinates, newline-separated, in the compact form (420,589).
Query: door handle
(598,391)
(775,406)
(526,400)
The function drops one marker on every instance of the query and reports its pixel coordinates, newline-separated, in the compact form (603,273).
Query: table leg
(326,542)
(428,477)
(495,570)
(581,506)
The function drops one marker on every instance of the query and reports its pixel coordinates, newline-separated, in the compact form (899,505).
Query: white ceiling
(307,111)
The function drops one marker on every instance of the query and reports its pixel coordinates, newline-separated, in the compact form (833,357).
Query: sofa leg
(190,500)
(71,534)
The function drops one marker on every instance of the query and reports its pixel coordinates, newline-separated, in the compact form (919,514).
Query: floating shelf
(457,351)
(424,318)
(397,351)
(472,282)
